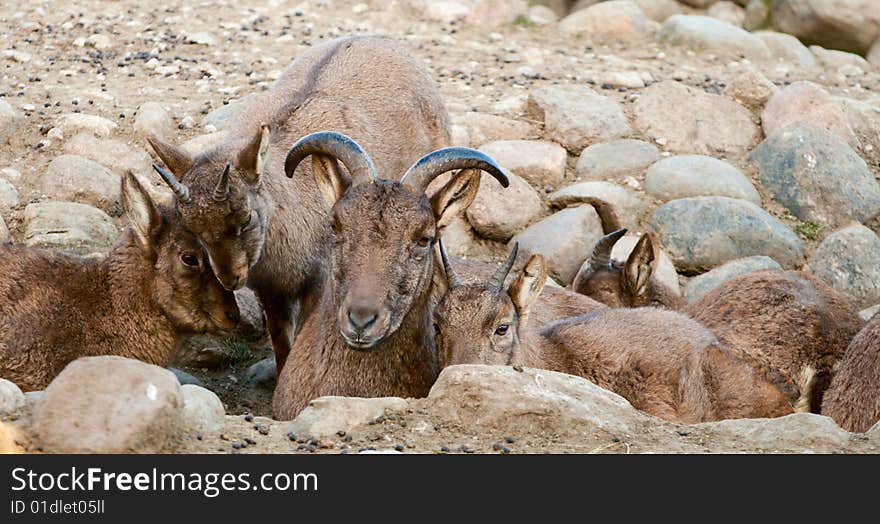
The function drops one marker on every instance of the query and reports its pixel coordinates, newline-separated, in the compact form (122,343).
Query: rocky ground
(742,149)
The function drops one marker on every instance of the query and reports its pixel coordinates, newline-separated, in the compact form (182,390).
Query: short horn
(601,255)
(496,283)
(443,160)
(180,190)
(336,145)
(221,192)
(452,279)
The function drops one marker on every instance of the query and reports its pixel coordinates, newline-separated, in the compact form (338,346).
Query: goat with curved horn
(180,190)
(443,160)
(601,255)
(221,192)
(452,279)
(496,283)
(336,145)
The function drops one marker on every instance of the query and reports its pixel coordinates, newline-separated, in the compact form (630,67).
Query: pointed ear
(640,265)
(528,285)
(252,158)
(455,196)
(178,160)
(138,206)
(331,179)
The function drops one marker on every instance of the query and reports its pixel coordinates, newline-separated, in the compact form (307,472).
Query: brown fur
(271,233)
(789,324)
(135,302)
(661,361)
(853,398)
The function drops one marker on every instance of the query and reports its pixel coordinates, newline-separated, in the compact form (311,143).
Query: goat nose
(362,317)
(232,284)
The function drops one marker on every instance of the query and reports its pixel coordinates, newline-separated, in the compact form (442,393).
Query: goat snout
(361,324)
(361,317)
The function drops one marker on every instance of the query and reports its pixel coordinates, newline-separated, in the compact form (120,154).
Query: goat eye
(425,241)
(502,330)
(189,260)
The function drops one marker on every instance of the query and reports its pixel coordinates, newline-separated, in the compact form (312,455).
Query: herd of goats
(362,300)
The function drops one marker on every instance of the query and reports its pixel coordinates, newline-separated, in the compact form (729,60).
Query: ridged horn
(496,283)
(452,279)
(601,255)
(336,145)
(221,192)
(443,160)
(180,190)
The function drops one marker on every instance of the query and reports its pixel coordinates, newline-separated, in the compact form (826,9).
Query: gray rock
(564,238)
(110,404)
(702,284)
(797,433)
(727,11)
(576,116)
(627,204)
(11,398)
(73,123)
(76,228)
(153,119)
(750,87)
(868,313)
(75,178)
(688,120)
(539,162)
(10,120)
(658,10)
(542,15)
(253,321)
(184,378)
(805,102)
(696,175)
(325,416)
(33,398)
(850,25)
(498,213)
(864,120)
(816,176)
(616,160)
(484,127)
(264,373)
(836,60)
(202,410)
(459,238)
(849,261)
(787,48)
(113,154)
(201,38)
(225,115)
(701,233)
(8,195)
(611,21)
(711,34)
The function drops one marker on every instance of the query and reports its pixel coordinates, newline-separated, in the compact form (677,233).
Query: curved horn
(334,144)
(601,255)
(435,164)
(497,281)
(221,192)
(180,190)
(605,210)
(452,279)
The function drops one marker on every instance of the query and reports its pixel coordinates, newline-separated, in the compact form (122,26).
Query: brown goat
(371,334)
(853,398)
(265,231)
(154,285)
(793,325)
(661,361)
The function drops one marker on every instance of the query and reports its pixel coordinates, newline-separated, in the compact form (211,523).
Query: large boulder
(110,405)
(10,120)
(616,160)
(11,398)
(69,226)
(203,411)
(612,21)
(806,102)
(816,176)
(697,175)
(706,33)
(702,284)
(688,120)
(484,127)
(327,416)
(113,154)
(576,116)
(627,205)
(540,162)
(849,261)
(701,233)
(565,238)
(787,48)
(153,119)
(498,212)
(73,123)
(75,178)
(849,25)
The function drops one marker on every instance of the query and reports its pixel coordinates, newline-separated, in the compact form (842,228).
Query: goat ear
(140,209)
(331,179)
(455,196)
(524,290)
(252,158)
(640,265)
(178,160)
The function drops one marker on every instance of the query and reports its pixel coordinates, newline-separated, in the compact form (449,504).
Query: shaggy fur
(853,398)
(135,302)
(271,233)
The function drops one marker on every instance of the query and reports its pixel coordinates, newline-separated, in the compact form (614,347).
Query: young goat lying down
(662,362)
(154,286)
